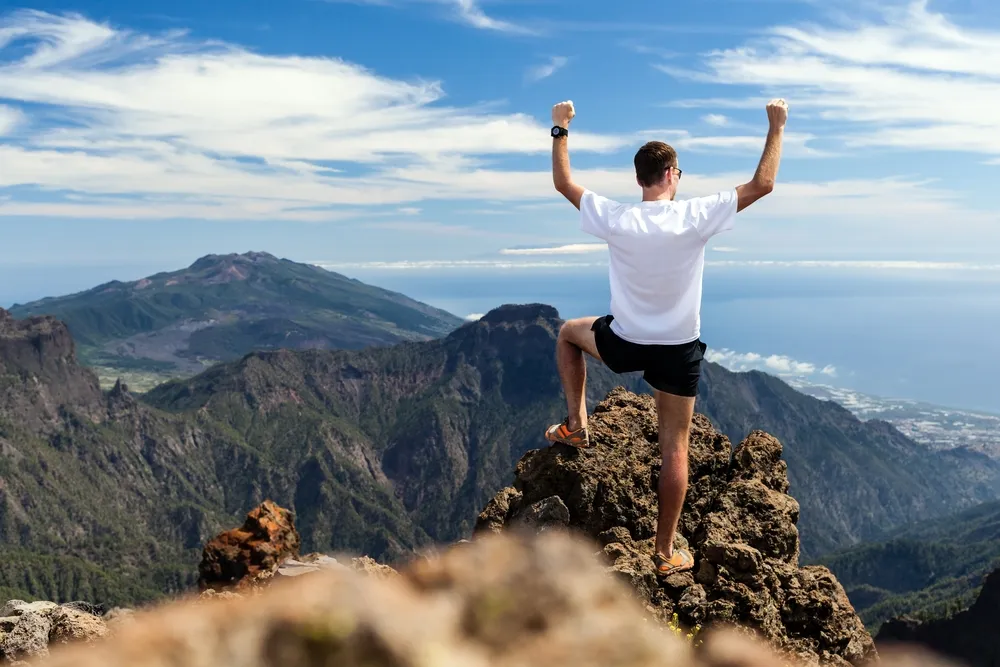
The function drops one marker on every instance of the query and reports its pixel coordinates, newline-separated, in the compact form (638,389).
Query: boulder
(738,520)
(28,638)
(244,557)
(69,624)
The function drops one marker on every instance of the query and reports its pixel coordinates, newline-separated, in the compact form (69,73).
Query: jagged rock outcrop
(970,635)
(242,557)
(38,365)
(738,520)
(501,601)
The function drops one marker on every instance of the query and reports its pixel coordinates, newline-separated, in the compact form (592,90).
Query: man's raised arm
(562,114)
(767,170)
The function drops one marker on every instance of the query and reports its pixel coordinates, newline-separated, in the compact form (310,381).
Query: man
(657,258)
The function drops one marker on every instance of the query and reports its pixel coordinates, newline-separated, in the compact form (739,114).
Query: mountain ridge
(223,306)
(381,451)
(925,570)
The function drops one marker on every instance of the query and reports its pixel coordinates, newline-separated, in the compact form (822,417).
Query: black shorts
(673,369)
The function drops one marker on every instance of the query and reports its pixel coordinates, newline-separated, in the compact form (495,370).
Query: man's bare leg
(575,338)
(674,414)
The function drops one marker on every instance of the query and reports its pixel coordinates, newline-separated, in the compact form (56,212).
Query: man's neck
(656,195)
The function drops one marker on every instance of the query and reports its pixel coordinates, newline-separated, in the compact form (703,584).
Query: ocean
(928,334)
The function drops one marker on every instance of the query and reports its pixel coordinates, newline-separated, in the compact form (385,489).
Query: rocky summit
(738,520)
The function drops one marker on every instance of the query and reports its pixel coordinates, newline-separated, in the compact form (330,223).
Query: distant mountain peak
(213,261)
(223,306)
(517,313)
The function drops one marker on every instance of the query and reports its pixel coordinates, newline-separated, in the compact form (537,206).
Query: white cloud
(466,11)
(128,114)
(715,119)
(883,265)
(775,363)
(474,317)
(126,125)
(571,249)
(470,12)
(423,265)
(9,119)
(545,70)
(908,78)
(794,145)
(512,260)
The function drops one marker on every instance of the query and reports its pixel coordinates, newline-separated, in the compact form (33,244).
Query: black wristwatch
(559,132)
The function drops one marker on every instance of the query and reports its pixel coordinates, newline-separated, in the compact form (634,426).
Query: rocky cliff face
(969,636)
(39,374)
(738,520)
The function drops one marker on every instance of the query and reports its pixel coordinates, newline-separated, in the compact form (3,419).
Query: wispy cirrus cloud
(465,11)
(570,249)
(545,70)
(135,126)
(544,259)
(470,12)
(905,78)
(796,144)
(199,126)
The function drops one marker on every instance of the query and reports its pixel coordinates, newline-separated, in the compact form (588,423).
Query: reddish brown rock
(245,556)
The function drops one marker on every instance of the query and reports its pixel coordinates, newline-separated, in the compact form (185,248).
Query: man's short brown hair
(652,162)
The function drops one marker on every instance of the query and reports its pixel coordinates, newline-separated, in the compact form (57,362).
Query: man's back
(657,259)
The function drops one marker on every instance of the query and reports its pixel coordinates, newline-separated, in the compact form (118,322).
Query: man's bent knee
(579,332)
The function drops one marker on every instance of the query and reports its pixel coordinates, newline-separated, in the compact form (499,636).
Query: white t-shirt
(657,253)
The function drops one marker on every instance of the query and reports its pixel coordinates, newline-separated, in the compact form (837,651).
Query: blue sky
(414,132)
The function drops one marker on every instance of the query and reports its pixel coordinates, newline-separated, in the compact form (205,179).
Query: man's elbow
(561,186)
(765,187)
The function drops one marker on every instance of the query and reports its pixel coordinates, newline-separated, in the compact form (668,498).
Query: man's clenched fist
(563,113)
(777,113)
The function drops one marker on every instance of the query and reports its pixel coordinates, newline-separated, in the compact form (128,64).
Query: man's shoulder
(598,196)
(715,201)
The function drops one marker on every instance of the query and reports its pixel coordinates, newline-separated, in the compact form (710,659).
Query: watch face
(555,131)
